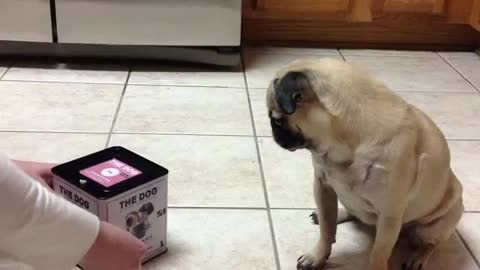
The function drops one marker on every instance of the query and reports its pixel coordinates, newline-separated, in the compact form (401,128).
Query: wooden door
(342,10)
(455,11)
(475,17)
(440,24)
(307,9)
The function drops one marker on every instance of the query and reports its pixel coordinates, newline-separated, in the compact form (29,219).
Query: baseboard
(220,56)
(412,32)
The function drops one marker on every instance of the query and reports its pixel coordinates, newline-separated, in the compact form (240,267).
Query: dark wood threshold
(413,32)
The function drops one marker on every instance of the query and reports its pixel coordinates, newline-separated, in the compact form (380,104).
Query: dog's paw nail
(314,218)
(308,262)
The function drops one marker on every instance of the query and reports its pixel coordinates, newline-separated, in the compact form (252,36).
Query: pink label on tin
(110,172)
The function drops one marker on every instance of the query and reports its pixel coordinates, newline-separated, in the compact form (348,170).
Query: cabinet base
(221,56)
(397,32)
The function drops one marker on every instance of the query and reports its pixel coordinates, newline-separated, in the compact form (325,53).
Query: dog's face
(134,224)
(297,117)
(137,221)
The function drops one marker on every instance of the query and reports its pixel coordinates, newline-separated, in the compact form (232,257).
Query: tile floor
(237,200)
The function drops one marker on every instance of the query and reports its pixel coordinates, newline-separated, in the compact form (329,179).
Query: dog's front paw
(310,262)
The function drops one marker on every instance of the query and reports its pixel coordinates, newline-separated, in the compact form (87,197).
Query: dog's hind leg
(425,237)
(343,216)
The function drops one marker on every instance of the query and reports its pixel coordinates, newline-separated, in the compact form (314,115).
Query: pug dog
(137,222)
(381,157)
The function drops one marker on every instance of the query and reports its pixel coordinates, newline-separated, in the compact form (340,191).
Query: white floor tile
(58,106)
(217,239)
(414,73)
(260,112)
(450,55)
(198,110)
(296,235)
(61,72)
(260,68)
(456,114)
(468,229)
(468,67)
(402,53)
(50,147)
(3,68)
(204,170)
(289,176)
(465,159)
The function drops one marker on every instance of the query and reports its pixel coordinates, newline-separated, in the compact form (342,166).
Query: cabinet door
(150,22)
(25,20)
(305,6)
(475,17)
(325,10)
(328,9)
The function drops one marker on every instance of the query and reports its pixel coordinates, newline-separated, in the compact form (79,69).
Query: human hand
(38,171)
(114,248)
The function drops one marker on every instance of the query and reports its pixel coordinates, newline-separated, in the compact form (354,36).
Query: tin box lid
(81,172)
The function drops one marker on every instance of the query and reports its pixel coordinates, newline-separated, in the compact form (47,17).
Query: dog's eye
(297,97)
(129,222)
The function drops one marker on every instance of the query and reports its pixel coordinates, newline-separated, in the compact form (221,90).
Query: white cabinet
(150,22)
(25,20)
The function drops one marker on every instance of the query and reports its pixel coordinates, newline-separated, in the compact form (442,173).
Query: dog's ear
(129,222)
(147,208)
(290,90)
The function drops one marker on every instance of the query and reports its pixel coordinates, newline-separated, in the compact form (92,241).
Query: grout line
(242,208)
(217,208)
(472,211)
(436,91)
(341,55)
(5,73)
(182,134)
(126,133)
(469,250)
(55,132)
(458,71)
(262,173)
(46,81)
(170,134)
(407,91)
(393,56)
(187,86)
(427,55)
(294,209)
(462,140)
(115,118)
(129,84)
